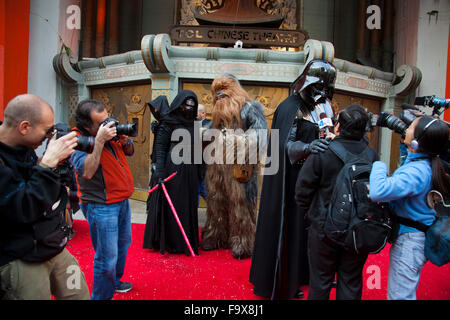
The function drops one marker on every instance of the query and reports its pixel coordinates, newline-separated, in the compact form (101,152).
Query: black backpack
(353,221)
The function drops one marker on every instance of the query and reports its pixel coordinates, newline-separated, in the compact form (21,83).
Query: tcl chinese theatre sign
(249,36)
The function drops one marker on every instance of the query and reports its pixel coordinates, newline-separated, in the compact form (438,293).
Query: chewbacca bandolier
(232,187)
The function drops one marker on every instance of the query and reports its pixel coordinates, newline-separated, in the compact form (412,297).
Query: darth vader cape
(279,262)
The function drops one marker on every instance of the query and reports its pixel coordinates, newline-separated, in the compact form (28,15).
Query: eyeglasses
(49,133)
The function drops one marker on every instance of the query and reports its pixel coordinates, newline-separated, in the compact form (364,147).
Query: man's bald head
(201,112)
(25,107)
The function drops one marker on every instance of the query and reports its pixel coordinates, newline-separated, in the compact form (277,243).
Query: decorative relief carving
(410,78)
(349,83)
(285,8)
(104,98)
(156,93)
(72,97)
(135,113)
(132,70)
(288,72)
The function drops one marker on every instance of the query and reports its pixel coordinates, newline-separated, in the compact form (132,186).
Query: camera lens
(392,122)
(127,129)
(407,117)
(85,144)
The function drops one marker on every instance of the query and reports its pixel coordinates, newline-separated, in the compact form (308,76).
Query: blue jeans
(406,260)
(201,191)
(110,228)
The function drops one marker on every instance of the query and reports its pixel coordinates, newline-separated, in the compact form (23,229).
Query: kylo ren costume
(279,262)
(162,231)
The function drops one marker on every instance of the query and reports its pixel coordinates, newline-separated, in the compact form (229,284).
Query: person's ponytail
(440,178)
(432,137)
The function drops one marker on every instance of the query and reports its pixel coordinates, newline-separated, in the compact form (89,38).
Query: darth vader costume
(279,261)
(162,231)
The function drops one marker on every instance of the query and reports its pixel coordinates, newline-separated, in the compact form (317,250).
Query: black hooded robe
(161,105)
(279,262)
(162,231)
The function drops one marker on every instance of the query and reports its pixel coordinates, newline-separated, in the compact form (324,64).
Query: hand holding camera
(59,149)
(121,131)
(106,132)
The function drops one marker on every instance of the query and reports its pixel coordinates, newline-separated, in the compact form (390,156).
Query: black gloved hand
(160,174)
(316,146)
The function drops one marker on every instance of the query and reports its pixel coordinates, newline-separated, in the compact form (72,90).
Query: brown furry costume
(232,205)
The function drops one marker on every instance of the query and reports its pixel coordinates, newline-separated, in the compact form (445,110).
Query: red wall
(14,37)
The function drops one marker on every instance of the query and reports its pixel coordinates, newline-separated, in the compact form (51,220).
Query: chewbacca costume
(232,205)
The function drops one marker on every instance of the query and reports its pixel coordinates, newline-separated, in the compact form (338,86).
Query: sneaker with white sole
(124,287)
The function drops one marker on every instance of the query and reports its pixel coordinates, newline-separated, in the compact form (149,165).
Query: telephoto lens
(392,122)
(129,129)
(407,117)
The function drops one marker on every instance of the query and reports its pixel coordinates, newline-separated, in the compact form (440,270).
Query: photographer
(33,260)
(407,191)
(105,183)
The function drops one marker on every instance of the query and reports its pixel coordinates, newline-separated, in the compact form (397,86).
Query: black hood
(174,117)
(160,104)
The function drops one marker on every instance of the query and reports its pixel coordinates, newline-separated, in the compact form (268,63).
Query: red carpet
(216,275)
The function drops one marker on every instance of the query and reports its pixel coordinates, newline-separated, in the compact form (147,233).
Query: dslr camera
(85,144)
(129,129)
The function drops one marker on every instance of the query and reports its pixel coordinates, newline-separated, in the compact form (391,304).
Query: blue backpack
(437,238)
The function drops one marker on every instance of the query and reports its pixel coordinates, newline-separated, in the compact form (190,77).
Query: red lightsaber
(173,210)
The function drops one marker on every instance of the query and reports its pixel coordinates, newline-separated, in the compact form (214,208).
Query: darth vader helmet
(316,83)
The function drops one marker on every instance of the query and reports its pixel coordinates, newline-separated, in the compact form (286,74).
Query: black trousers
(326,260)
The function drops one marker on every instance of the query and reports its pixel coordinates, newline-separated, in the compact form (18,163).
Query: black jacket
(27,192)
(316,181)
